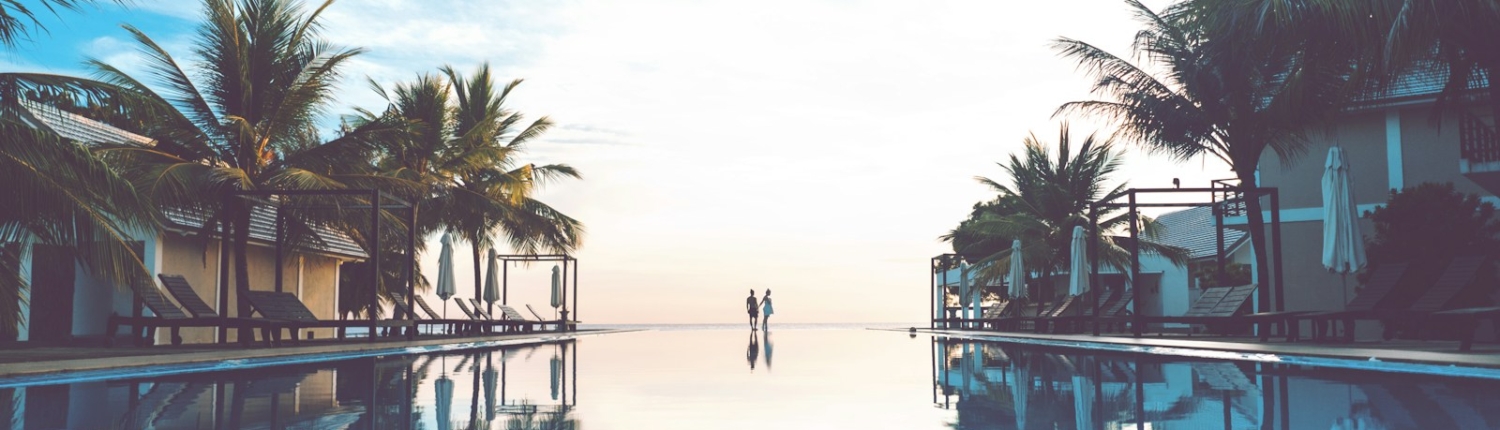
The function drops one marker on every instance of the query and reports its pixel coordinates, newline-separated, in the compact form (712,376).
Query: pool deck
(1395,355)
(37,365)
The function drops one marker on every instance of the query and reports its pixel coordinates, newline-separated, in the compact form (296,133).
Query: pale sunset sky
(816,148)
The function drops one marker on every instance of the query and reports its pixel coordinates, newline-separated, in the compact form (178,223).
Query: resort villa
(67,304)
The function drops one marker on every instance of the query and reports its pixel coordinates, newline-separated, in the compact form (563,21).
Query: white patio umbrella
(1078,267)
(1017,277)
(1020,389)
(492,280)
(445,287)
(557,288)
(1083,402)
(1343,247)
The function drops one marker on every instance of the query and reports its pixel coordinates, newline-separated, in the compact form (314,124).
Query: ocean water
(790,377)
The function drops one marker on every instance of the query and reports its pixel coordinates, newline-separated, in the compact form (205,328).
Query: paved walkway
(28,365)
(1439,353)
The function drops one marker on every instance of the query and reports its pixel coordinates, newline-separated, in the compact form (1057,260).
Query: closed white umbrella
(492,281)
(445,287)
(1078,267)
(1343,247)
(557,289)
(1017,275)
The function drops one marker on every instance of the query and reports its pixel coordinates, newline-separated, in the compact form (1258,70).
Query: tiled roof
(262,219)
(1193,229)
(1420,82)
(263,228)
(76,127)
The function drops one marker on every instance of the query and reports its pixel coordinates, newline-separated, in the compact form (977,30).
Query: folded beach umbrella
(1078,267)
(492,281)
(1017,275)
(557,289)
(1343,246)
(445,287)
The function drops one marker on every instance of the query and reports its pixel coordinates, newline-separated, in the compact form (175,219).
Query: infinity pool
(721,378)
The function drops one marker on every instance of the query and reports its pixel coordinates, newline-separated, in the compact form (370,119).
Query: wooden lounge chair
(1442,310)
(1082,312)
(482,319)
(171,316)
(512,315)
(561,325)
(294,316)
(1218,308)
(1368,304)
(995,314)
(455,326)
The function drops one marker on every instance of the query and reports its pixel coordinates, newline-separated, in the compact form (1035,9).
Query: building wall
(1428,152)
(198,263)
(1362,137)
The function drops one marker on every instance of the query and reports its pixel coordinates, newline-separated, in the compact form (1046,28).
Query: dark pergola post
(374,261)
(943,307)
(505,283)
(411,270)
(224,272)
(564,287)
(280,248)
(1094,259)
(575,304)
(1277,277)
(1135,261)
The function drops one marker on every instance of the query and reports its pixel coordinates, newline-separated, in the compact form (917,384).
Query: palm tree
(461,149)
(1216,96)
(69,198)
(18,20)
(1047,199)
(1386,39)
(499,196)
(247,124)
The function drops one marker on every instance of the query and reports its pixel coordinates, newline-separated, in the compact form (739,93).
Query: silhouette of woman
(766,310)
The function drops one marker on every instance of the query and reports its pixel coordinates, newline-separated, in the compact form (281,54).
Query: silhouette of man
(753,307)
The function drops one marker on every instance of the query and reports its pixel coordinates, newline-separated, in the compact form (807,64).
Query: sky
(817,148)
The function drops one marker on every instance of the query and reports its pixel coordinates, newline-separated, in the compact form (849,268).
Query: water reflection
(480,389)
(1002,386)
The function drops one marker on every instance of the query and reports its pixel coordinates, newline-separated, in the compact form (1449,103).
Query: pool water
(722,378)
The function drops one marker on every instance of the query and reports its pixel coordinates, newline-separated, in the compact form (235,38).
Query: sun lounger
(1443,309)
(294,316)
(1082,312)
(482,319)
(169,315)
(1218,309)
(995,314)
(1368,304)
(457,326)
(511,315)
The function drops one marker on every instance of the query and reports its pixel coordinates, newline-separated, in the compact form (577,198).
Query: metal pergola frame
(376,202)
(566,260)
(1266,300)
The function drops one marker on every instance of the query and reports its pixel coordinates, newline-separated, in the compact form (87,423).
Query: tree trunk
(241,258)
(1256,222)
(478,278)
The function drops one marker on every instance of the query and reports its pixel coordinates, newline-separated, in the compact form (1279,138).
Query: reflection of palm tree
(559,420)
